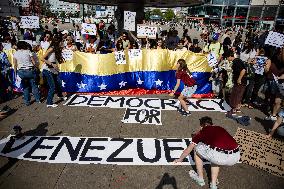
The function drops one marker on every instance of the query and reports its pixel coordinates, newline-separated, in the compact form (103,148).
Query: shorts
(216,157)
(189,91)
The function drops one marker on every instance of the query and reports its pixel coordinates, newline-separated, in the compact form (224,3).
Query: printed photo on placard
(212,59)
(90,29)
(129,20)
(29,22)
(259,64)
(67,54)
(120,57)
(135,53)
(275,39)
(146,31)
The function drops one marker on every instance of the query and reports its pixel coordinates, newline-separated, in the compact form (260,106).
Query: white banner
(96,150)
(218,105)
(142,116)
(275,39)
(29,22)
(146,31)
(90,29)
(120,57)
(135,53)
(67,54)
(129,20)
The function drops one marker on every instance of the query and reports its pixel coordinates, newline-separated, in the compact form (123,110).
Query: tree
(169,14)
(157,12)
(147,15)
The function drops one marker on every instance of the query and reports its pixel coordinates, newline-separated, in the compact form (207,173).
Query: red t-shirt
(186,79)
(215,136)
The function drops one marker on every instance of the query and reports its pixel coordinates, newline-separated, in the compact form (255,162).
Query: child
(184,75)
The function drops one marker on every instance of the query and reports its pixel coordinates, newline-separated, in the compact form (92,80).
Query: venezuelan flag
(153,71)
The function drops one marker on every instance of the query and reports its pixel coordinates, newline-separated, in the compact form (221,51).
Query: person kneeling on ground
(277,123)
(183,74)
(214,144)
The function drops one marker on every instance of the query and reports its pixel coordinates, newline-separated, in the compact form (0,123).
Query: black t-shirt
(238,66)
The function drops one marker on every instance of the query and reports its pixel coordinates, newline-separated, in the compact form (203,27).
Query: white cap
(65,32)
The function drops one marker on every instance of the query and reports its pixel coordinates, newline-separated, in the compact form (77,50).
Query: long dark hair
(248,47)
(183,66)
(57,49)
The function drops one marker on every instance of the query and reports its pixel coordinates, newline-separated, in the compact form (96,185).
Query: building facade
(8,8)
(256,13)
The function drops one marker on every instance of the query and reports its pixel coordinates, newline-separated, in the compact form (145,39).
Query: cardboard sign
(260,152)
(146,31)
(96,150)
(67,54)
(29,22)
(90,29)
(135,53)
(120,57)
(129,20)
(275,39)
(212,59)
(142,116)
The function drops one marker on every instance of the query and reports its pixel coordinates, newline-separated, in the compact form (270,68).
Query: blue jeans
(28,79)
(54,82)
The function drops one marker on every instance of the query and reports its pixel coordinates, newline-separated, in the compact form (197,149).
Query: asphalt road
(105,122)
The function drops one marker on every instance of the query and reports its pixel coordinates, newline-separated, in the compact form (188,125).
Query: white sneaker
(63,98)
(52,106)
(273,118)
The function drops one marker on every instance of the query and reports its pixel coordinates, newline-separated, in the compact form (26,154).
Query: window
(241,12)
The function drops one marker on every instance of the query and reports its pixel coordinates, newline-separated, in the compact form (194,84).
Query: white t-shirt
(95,45)
(23,58)
(246,56)
(77,36)
(44,45)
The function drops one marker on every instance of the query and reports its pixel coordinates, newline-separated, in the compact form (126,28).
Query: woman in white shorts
(214,144)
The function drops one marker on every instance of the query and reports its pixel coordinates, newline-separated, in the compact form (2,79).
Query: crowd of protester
(236,78)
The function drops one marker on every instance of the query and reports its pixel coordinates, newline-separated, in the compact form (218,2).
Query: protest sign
(275,39)
(142,116)
(259,64)
(135,53)
(120,57)
(30,22)
(67,54)
(146,31)
(90,29)
(212,59)
(129,20)
(96,150)
(7,46)
(258,151)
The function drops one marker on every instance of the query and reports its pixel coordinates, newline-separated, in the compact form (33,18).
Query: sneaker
(195,177)
(51,105)
(63,98)
(184,113)
(272,118)
(213,186)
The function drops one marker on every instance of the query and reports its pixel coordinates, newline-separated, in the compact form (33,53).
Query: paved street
(104,122)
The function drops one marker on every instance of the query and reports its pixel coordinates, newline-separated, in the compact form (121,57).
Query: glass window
(241,12)
(281,13)
(218,2)
(270,12)
(229,11)
(213,11)
(255,11)
(243,2)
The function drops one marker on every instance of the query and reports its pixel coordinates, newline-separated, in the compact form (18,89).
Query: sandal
(195,177)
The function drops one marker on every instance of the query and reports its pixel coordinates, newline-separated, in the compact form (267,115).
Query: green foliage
(147,15)
(157,12)
(169,15)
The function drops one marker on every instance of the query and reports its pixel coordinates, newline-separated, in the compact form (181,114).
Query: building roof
(147,3)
